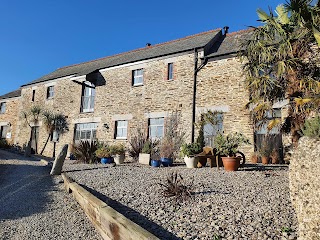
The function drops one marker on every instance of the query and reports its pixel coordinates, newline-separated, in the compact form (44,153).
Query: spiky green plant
(84,151)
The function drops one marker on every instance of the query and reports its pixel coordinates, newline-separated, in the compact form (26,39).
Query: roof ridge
(240,32)
(143,48)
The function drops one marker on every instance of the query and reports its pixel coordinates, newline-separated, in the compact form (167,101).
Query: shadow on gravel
(134,216)
(23,190)
(255,167)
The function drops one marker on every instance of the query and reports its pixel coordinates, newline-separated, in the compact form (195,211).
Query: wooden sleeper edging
(109,223)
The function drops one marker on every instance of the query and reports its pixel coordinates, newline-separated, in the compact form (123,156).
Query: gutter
(195,74)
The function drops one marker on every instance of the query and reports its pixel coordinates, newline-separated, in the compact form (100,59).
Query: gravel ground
(34,205)
(253,203)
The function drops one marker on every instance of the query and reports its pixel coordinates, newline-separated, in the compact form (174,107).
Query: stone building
(109,98)
(9,106)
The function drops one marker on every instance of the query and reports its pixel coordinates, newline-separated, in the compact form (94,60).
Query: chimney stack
(148,44)
(226,29)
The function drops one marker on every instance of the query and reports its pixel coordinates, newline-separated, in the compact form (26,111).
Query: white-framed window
(85,131)
(156,128)
(3,131)
(88,95)
(170,71)
(137,77)
(2,107)
(50,92)
(121,129)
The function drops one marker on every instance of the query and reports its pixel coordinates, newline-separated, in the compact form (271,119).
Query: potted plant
(119,153)
(105,154)
(227,147)
(189,151)
(264,152)
(274,156)
(166,152)
(254,157)
(144,156)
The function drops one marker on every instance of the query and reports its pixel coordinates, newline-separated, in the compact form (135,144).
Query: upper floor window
(156,128)
(137,77)
(2,107)
(170,71)
(121,129)
(50,92)
(88,95)
(85,132)
(33,95)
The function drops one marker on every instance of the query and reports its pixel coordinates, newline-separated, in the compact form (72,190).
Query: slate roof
(230,43)
(158,50)
(16,93)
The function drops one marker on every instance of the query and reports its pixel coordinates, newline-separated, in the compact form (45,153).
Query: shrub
(191,149)
(85,151)
(312,128)
(176,188)
(137,142)
(103,152)
(229,145)
(118,149)
(4,144)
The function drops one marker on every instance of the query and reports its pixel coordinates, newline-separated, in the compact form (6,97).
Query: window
(50,92)
(85,131)
(88,94)
(137,77)
(170,71)
(2,107)
(156,127)
(3,131)
(33,95)
(121,129)
(210,131)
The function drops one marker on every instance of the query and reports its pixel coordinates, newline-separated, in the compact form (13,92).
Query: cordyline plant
(281,62)
(31,118)
(176,188)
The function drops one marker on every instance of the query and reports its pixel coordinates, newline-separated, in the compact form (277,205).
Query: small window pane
(138,77)
(2,107)
(121,129)
(170,71)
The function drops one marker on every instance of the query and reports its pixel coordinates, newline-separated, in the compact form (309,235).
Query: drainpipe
(195,73)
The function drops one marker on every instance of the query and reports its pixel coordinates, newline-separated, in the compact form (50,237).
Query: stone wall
(219,84)
(221,87)
(10,117)
(304,175)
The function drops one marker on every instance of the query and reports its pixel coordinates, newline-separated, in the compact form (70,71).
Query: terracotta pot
(254,159)
(231,163)
(265,160)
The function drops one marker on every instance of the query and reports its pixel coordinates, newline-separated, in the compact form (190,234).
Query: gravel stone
(237,205)
(34,205)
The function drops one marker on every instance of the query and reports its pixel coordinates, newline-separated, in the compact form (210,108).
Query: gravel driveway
(34,205)
(253,203)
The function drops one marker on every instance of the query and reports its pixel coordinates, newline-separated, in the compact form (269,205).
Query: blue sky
(38,37)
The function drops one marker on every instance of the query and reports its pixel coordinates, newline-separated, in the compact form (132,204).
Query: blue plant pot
(107,160)
(155,163)
(166,162)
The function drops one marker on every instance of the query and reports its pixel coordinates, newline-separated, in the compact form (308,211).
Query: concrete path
(34,205)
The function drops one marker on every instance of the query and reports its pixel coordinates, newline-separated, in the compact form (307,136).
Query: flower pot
(118,158)
(166,162)
(144,158)
(254,159)
(231,163)
(155,163)
(191,162)
(264,160)
(107,160)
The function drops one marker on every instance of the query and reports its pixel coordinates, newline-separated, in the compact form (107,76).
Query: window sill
(137,85)
(87,111)
(50,98)
(121,138)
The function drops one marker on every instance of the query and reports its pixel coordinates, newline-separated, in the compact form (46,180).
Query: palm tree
(31,118)
(54,123)
(281,63)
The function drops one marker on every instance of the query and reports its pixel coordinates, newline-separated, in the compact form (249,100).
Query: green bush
(311,128)
(85,151)
(191,149)
(4,144)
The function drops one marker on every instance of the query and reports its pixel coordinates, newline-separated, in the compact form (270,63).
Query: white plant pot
(191,162)
(118,158)
(144,158)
